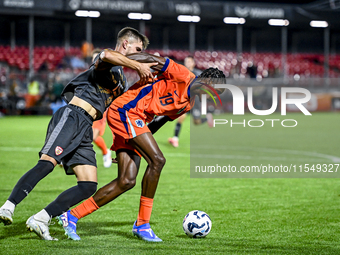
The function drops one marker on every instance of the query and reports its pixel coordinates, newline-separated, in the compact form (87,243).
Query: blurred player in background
(99,129)
(167,97)
(69,135)
(189,62)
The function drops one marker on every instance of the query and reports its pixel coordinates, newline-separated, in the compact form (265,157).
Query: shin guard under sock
(71,197)
(28,181)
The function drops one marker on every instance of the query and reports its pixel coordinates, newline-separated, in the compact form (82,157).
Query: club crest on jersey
(58,150)
(139,123)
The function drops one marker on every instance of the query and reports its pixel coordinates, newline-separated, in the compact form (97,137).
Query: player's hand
(144,72)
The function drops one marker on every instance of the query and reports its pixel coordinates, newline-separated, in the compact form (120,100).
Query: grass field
(249,216)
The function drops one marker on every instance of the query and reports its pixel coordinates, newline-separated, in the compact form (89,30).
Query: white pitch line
(18,149)
(241,157)
(224,156)
(270,150)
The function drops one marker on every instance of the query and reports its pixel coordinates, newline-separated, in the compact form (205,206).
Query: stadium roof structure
(295,11)
(210,12)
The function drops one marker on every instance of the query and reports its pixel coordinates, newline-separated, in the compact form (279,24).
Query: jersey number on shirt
(166,100)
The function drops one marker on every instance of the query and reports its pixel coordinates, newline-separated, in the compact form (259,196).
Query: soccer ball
(197,224)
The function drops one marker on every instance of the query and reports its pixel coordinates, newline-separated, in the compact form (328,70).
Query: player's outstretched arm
(116,58)
(144,57)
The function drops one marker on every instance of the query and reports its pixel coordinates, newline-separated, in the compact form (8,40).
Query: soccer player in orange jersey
(168,96)
(69,134)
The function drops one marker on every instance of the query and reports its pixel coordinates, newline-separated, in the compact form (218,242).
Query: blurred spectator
(77,63)
(13,93)
(43,67)
(236,66)
(189,62)
(13,85)
(65,62)
(56,90)
(87,49)
(273,70)
(251,70)
(33,89)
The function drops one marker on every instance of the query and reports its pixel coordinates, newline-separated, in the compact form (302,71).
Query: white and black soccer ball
(197,224)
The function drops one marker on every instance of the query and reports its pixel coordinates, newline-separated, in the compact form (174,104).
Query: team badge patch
(139,123)
(58,150)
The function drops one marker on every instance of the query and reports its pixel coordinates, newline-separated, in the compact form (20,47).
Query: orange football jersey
(168,95)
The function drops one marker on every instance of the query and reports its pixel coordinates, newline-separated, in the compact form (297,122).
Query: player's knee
(126,183)
(87,188)
(158,163)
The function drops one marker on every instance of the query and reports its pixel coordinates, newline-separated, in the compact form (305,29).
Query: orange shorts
(120,143)
(100,124)
(124,126)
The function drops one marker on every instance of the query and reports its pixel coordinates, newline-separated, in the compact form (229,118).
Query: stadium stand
(267,64)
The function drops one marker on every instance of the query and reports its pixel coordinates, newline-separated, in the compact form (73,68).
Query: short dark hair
(96,51)
(214,76)
(211,72)
(127,32)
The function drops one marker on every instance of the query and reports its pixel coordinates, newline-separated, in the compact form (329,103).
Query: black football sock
(28,181)
(177,129)
(71,197)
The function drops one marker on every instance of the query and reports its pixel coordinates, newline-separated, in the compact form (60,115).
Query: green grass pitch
(249,216)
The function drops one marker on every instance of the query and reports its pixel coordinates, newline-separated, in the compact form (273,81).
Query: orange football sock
(101,144)
(145,209)
(85,208)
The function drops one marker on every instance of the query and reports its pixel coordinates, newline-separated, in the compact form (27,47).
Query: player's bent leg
(128,166)
(87,185)
(127,172)
(85,173)
(148,148)
(24,186)
(61,204)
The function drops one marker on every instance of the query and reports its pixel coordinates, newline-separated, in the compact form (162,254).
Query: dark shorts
(69,138)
